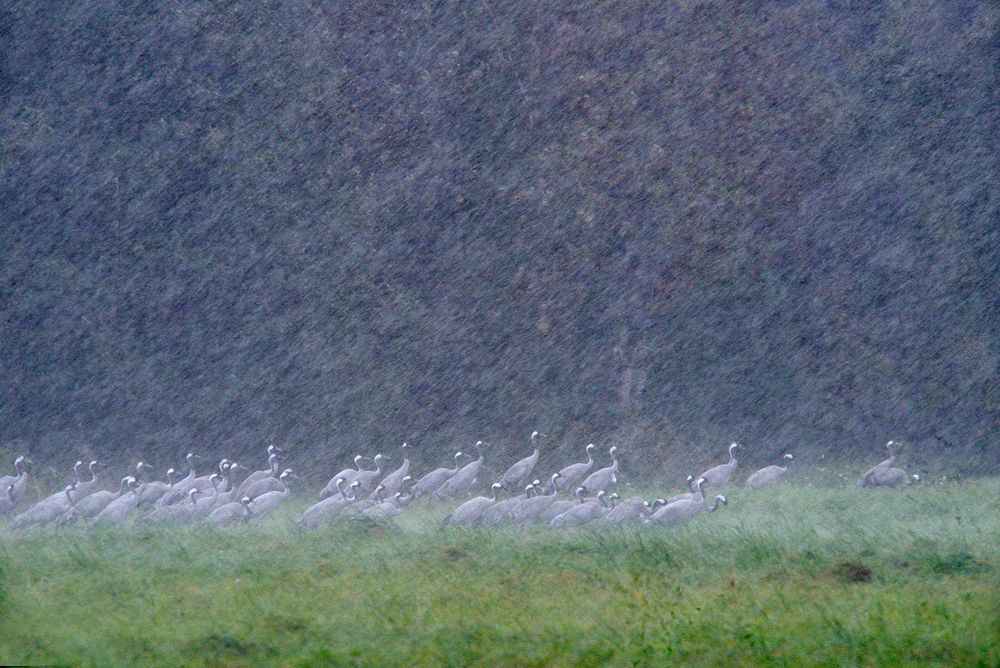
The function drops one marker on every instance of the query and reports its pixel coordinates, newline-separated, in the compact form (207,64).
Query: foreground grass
(797,575)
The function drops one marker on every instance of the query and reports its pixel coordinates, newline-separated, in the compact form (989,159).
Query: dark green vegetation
(331,224)
(793,576)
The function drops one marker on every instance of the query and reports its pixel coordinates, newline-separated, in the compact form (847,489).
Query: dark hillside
(338,226)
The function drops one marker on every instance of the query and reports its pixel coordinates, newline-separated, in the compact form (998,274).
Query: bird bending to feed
(769,474)
(718,476)
(518,473)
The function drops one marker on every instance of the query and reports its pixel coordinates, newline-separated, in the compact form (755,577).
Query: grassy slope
(777,577)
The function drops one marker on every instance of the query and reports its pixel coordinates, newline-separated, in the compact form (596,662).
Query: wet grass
(800,575)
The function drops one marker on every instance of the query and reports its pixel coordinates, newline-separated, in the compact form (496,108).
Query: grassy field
(792,576)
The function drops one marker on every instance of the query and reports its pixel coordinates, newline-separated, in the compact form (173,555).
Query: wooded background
(339,225)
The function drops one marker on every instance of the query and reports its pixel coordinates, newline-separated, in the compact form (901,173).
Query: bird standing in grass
(871,474)
(718,476)
(469,512)
(518,473)
(570,476)
(347,475)
(17,484)
(769,474)
(581,513)
(602,479)
(463,480)
(431,481)
(675,514)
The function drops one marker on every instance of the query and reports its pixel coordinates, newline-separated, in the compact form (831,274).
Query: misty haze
(500,334)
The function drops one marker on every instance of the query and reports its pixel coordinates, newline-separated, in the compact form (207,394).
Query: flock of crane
(224,497)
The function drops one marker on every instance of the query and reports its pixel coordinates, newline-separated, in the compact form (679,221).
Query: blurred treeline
(337,226)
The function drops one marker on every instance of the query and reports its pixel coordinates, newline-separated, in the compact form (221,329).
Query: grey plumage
(178,492)
(273,465)
(515,476)
(325,511)
(496,514)
(347,475)
(718,476)
(675,514)
(230,513)
(393,482)
(266,485)
(581,513)
(92,504)
(693,494)
(15,486)
(462,481)
(530,510)
(863,481)
(604,478)
(431,481)
(890,477)
(47,510)
(472,510)
(367,478)
(176,513)
(768,475)
(631,510)
(152,490)
(570,476)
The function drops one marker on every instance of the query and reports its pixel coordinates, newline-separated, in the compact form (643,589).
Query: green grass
(793,576)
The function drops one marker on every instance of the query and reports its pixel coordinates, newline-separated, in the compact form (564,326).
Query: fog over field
(657,228)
